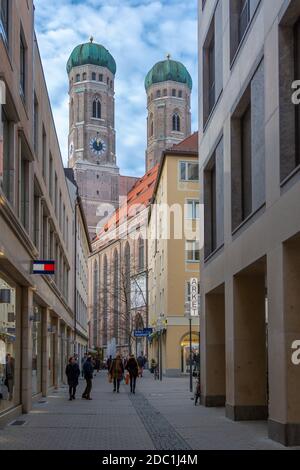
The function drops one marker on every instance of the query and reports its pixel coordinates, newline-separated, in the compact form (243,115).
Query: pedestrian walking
(141,363)
(88,371)
(109,362)
(116,372)
(133,369)
(72,373)
(97,364)
(9,375)
(84,358)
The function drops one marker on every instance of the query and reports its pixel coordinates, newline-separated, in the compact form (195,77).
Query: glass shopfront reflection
(36,350)
(9,396)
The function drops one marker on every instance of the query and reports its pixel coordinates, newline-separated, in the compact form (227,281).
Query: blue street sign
(143,333)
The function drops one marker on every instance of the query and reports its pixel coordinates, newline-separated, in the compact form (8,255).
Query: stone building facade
(36,220)
(168,86)
(118,274)
(250,188)
(82,250)
(92,136)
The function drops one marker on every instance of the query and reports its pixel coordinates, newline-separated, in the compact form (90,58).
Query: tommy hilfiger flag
(43,267)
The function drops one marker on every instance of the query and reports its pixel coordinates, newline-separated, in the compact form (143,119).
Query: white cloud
(138,33)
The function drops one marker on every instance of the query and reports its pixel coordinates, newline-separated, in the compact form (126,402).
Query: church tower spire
(168,87)
(92,137)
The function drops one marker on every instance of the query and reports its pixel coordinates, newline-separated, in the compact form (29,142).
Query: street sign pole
(194,312)
(191,354)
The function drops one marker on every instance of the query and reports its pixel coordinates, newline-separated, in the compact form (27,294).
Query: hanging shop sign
(43,267)
(194,306)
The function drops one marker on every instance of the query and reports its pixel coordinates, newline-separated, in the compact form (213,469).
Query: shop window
(9,383)
(36,320)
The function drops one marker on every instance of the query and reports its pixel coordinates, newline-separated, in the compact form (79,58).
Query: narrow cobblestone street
(161,416)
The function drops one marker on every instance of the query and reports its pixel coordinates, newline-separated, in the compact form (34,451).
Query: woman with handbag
(116,372)
(133,369)
(72,373)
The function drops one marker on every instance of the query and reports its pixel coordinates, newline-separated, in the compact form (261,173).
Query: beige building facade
(36,223)
(250,188)
(173,230)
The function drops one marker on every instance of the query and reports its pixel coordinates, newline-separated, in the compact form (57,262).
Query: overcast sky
(138,33)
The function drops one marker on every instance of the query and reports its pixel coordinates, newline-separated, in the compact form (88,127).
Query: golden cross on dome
(168,56)
(91,39)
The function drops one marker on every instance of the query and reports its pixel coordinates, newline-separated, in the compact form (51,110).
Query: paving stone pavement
(161,416)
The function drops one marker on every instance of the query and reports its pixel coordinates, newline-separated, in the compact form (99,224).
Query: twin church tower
(92,136)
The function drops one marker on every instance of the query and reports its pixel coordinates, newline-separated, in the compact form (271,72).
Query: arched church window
(72,111)
(95,303)
(84,77)
(94,76)
(141,254)
(158,94)
(96,108)
(116,296)
(151,125)
(105,302)
(176,122)
(180,94)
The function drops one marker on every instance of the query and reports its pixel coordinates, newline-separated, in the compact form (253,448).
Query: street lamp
(160,329)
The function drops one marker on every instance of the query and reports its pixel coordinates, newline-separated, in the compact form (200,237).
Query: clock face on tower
(97,146)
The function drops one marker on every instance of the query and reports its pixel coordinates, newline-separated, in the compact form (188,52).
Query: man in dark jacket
(88,371)
(72,372)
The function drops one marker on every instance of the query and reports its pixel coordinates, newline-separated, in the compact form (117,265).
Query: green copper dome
(91,54)
(168,70)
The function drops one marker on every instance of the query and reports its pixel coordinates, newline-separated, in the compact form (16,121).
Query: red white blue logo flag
(43,267)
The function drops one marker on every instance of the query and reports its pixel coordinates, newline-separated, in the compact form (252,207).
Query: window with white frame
(192,209)
(192,249)
(189,171)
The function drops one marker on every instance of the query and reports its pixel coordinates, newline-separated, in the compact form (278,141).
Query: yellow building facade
(173,229)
